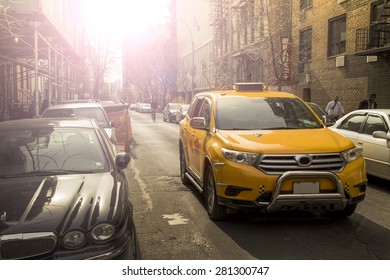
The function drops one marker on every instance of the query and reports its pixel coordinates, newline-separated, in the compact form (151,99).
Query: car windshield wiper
(279,128)
(47,173)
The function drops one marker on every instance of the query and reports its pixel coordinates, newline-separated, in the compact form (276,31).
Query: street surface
(172,223)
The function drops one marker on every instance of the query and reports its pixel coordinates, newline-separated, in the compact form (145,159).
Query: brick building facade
(341,47)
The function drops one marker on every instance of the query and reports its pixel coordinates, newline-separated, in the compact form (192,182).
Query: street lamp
(193,60)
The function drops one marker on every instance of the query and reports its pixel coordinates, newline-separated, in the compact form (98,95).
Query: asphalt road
(172,223)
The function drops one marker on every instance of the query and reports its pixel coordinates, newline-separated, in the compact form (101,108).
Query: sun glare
(116,17)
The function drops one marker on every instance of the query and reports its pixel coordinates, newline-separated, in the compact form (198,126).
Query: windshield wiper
(47,173)
(279,128)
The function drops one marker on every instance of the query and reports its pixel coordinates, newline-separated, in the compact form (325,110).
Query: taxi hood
(321,140)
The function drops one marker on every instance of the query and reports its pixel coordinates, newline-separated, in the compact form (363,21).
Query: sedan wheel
(215,211)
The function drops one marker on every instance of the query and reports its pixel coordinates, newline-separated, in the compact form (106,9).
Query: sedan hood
(57,203)
(286,141)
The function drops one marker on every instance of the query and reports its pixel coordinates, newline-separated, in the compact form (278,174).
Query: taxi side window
(205,113)
(195,106)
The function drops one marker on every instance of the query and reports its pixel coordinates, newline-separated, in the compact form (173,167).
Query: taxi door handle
(359,143)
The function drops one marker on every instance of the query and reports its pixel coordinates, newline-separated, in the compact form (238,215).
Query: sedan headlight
(74,239)
(240,157)
(352,154)
(102,232)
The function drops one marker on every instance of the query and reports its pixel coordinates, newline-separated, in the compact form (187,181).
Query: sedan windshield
(49,151)
(256,113)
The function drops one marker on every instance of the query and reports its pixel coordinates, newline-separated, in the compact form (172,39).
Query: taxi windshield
(259,113)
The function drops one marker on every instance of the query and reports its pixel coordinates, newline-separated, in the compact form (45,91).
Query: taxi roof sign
(249,86)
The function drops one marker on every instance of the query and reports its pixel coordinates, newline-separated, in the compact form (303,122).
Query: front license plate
(306,187)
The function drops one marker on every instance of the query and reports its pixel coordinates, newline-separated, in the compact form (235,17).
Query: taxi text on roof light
(249,86)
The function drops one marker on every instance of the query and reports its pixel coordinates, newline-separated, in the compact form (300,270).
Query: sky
(110,20)
(115,17)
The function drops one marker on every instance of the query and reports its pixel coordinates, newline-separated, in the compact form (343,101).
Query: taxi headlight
(240,157)
(102,232)
(352,154)
(74,239)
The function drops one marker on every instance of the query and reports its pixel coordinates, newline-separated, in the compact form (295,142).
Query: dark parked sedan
(63,193)
(325,117)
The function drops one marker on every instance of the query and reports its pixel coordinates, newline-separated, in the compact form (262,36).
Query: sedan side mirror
(381,135)
(122,160)
(112,123)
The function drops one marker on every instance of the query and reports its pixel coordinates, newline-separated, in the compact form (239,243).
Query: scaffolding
(36,64)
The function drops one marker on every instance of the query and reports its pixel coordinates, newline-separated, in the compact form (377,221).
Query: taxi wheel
(348,211)
(183,168)
(215,211)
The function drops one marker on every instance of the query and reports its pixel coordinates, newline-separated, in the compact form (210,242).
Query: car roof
(47,122)
(234,93)
(75,105)
(385,111)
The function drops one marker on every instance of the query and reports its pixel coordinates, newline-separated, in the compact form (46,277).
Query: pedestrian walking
(334,108)
(368,103)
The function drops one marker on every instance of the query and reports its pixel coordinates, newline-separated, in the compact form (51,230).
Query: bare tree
(100,56)
(249,36)
(151,69)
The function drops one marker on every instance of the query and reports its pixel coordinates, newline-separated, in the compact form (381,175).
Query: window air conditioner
(372,58)
(340,61)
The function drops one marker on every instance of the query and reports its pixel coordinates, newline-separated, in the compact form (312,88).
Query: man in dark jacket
(368,103)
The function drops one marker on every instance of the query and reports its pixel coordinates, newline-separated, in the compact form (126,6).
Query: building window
(305,4)
(337,36)
(304,48)
(380,12)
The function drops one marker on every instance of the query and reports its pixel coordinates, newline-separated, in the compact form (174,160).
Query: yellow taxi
(251,148)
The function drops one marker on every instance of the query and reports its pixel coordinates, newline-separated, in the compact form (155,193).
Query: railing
(375,36)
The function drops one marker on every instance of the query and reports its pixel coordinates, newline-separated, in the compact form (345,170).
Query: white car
(369,129)
(145,108)
(83,109)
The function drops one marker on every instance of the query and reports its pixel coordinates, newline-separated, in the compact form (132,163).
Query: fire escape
(375,38)
(37,60)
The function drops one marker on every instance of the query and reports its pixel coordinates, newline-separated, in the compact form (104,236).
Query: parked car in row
(253,149)
(369,129)
(83,109)
(327,119)
(145,108)
(63,192)
(180,114)
(169,112)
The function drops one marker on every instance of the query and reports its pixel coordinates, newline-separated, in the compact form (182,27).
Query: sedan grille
(277,164)
(27,245)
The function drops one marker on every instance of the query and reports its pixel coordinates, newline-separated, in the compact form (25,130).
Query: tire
(183,168)
(215,210)
(348,211)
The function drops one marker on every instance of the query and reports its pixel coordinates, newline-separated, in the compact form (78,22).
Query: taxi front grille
(21,246)
(278,164)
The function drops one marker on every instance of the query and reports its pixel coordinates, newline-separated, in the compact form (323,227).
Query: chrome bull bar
(327,201)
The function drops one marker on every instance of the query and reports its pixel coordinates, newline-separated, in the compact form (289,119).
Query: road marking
(176,219)
(145,196)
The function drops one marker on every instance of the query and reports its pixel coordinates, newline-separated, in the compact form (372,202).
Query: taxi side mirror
(198,123)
